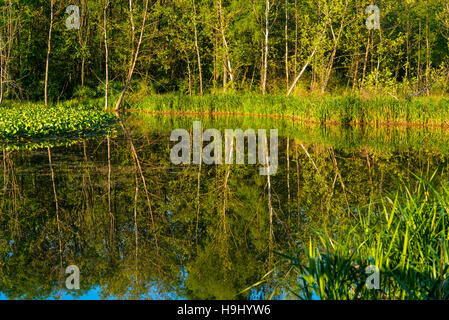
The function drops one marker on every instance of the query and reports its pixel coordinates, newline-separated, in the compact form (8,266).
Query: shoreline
(288,117)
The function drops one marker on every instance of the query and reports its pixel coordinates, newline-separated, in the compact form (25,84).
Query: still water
(139,227)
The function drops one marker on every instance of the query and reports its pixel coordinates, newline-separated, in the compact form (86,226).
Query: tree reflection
(139,227)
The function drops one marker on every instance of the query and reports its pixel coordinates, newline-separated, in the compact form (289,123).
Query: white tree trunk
(197,48)
(105,25)
(52,4)
(305,66)
(267,31)
(136,56)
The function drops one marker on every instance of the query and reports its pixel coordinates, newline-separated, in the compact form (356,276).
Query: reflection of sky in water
(157,292)
(96,294)
(153,294)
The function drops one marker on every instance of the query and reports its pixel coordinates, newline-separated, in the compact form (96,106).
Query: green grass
(405,236)
(327,109)
(21,122)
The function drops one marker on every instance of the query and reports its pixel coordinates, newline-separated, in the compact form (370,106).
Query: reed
(405,236)
(431,111)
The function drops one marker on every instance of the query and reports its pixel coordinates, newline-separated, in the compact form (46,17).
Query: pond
(139,227)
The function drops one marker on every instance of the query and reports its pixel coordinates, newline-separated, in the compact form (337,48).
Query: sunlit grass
(326,109)
(405,236)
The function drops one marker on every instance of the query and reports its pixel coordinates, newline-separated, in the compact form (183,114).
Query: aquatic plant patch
(35,121)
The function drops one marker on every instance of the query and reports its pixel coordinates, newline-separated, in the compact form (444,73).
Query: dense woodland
(211,46)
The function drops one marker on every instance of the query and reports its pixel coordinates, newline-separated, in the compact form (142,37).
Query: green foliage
(33,121)
(404,56)
(405,236)
(328,109)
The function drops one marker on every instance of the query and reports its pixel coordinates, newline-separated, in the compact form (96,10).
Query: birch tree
(227,67)
(136,54)
(47,63)
(106,53)
(197,47)
(266,48)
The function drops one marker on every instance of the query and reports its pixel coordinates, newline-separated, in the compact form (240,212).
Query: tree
(106,55)
(8,30)
(136,54)
(47,63)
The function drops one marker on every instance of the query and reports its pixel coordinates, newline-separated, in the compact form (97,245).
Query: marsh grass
(405,236)
(432,111)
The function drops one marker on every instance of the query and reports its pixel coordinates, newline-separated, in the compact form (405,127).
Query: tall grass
(326,109)
(404,236)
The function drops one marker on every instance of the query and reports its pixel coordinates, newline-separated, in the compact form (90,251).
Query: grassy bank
(405,236)
(70,120)
(431,111)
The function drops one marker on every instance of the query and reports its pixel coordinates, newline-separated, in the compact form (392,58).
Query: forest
(197,47)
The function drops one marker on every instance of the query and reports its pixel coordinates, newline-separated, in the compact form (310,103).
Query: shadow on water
(139,227)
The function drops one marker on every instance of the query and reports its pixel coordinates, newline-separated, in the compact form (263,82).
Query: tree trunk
(334,51)
(356,74)
(52,4)
(140,171)
(365,63)
(407,69)
(106,50)
(83,39)
(267,30)
(7,37)
(133,29)
(305,67)
(227,62)
(286,45)
(296,36)
(111,215)
(190,76)
(288,177)
(136,56)
(428,56)
(1,67)
(197,48)
(418,76)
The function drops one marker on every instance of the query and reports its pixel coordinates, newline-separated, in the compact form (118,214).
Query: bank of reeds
(405,236)
(431,111)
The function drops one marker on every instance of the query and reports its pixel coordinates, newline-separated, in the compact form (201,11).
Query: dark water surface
(192,232)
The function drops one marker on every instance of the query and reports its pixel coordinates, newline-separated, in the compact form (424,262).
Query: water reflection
(139,227)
